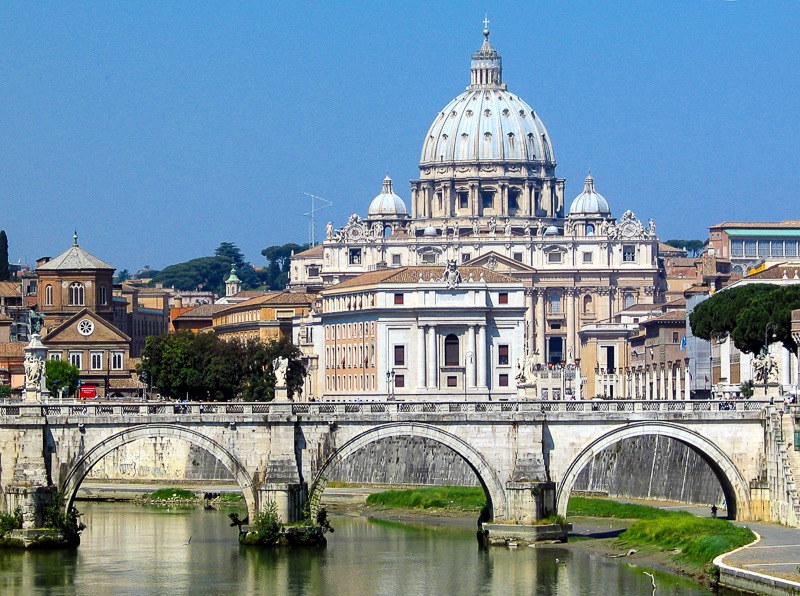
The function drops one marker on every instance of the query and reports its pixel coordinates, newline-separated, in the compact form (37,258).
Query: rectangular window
(429,258)
(355,256)
(628,253)
(396,260)
(452,381)
(97,360)
(399,381)
(749,248)
(487,199)
(555,303)
(587,257)
(54,356)
(398,299)
(737,248)
(502,355)
(463,199)
(777,248)
(313,271)
(75,359)
(763,248)
(674,337)
(791,248)
(518,257)
(554,257)
(466,257)
(503,298)
(399,355)
(116,360)
(503,380)
(103,295)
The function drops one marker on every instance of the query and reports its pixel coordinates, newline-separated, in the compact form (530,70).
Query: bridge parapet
(392,409)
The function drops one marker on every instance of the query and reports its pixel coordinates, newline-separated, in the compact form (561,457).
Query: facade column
(530,317)
(687,383)
(481,357)
(431,357)
(648,393)
(540,325)
(471,365)
(662,389)
(421,357)
(678,381)
(570,296)
(786,366)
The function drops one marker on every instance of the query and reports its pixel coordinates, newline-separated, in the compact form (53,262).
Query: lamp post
(389,381)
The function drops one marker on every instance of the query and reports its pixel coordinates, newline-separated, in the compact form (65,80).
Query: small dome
(551,231)
(430,231)
(387,204)
(589,202)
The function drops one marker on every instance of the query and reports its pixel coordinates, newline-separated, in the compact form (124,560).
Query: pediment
(85,327)
(499,263)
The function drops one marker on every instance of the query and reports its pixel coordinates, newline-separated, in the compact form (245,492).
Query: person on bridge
(713,511)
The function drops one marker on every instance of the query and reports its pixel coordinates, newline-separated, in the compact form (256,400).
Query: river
(130,549)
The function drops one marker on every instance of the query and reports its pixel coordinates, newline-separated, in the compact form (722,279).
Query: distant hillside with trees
(209,273)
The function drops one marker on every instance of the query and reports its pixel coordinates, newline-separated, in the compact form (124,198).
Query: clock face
(628,229)
(85,327)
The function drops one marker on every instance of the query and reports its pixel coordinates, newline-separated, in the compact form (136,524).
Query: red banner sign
(87,392)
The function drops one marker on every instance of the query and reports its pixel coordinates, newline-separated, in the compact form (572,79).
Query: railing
(130,411)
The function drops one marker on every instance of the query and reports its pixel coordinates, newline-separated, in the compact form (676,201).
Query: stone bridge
(526,454)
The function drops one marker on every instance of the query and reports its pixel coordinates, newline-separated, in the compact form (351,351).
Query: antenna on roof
(312,215)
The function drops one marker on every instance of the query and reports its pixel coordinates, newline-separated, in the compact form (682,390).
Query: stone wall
(651,467)
(159,459)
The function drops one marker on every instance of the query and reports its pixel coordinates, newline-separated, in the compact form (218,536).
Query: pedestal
(282,394)
(35,377)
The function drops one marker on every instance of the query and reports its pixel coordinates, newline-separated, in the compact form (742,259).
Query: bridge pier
(530,502)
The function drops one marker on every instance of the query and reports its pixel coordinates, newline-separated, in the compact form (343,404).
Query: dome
(487,122)
(551,231)
(589,202)
(430,231)
(387,204)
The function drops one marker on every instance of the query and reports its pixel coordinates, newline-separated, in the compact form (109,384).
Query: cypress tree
(4,270)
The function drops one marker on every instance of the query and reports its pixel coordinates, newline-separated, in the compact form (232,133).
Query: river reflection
(135,550)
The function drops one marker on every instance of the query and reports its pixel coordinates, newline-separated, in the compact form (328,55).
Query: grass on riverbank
(462,498)
(172,494)
(695,540)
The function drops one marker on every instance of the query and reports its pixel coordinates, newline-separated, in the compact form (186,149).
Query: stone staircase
(790,460)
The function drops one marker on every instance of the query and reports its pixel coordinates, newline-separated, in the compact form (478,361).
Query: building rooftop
(405,275)
(74,258)
(204,311)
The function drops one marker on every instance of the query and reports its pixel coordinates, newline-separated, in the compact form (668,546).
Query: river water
(130,549)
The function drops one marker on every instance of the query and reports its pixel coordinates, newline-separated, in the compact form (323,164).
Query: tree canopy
(201,366)
(210,273)
(278,263)
(61,373)
(744,313)
(692,247)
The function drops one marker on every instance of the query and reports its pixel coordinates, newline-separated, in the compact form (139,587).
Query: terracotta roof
(274,298)
(12,349)
(673,304)
(314,251)
(125,383)
(10,288)
(204,311)
(668,317)
(663,247)
(778,271)
(787,223)
(404,275)
(74,258)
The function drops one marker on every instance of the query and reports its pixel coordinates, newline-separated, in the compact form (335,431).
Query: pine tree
(5,273)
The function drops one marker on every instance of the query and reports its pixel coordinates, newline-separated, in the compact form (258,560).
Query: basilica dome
(487,122)
(387,204)
(589,202)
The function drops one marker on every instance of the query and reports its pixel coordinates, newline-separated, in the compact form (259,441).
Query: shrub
(10,521)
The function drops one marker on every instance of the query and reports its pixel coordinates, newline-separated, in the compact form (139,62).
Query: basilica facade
(488,196)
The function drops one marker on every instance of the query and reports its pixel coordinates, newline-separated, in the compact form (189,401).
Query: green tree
(259,378)
(278,263)
(744,313)
(5,271)
(693,248)
(61,373)
(231,252)
(122,275)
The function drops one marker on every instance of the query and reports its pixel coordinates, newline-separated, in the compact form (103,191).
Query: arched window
(589,229)
(48,295)
(628,299)
(76,294)
(103,295)
(451,357)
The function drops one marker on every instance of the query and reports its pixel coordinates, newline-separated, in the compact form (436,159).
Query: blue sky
(159,130)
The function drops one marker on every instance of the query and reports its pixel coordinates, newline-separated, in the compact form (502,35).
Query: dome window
(522,113)
(453,113)
(487,136)
(487,113)
(469,113)
(506,113)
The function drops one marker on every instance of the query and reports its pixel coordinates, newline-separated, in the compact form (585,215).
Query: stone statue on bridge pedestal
(35,375)
(280,366)
(526,377)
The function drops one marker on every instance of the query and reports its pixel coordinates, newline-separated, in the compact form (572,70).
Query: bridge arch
(497,501)
(734,486)
(71,483)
